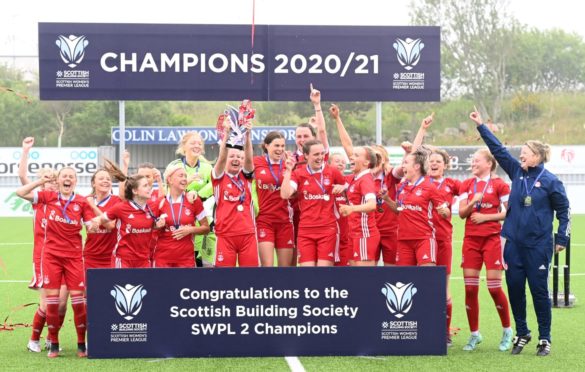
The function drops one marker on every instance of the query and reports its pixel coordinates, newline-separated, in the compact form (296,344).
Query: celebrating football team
(308,213)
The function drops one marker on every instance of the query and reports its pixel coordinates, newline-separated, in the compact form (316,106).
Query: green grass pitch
(567,343)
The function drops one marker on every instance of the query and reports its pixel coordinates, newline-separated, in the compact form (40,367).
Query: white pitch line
(460,277)
(371,357)
(14,281)
(294,364)
(159,360)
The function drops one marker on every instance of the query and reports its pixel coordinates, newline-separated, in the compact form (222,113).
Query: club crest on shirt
(447,188)
(262,233)
(326,181)
(418,192)
(490,190)
(187,212)
(537,184)
(229,185)
(352,189)
(76,207)
(220,257)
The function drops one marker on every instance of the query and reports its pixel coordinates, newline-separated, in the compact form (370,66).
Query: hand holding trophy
(238,121)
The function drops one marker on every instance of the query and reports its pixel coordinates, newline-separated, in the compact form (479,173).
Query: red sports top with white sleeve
(361,189)
(65,216)
(315,195)
(268,177)
(495,192)
(101,244)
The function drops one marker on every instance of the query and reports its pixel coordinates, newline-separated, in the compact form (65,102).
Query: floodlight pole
(122,130)
(378,123)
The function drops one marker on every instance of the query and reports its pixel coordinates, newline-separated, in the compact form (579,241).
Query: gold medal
(528,201)
(380,209)
(240,208)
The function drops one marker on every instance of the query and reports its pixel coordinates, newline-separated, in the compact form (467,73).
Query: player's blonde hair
(540,149)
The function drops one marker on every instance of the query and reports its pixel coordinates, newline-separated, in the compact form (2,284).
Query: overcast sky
(18,19)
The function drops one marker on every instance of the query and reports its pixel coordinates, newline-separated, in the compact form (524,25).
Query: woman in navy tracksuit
(536,195)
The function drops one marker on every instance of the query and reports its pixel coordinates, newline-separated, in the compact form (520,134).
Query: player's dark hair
(271,136)
(420,157)
(132,184)
(311,128)
(372,156)
(308,144)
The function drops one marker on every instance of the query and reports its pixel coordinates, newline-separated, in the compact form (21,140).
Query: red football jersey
(101,243)
(417,201)
(302,162)
(64,217)
(315,195)
(234,212)
(181,213)
(449,189)
(386,219)
(361,189)
(135,226)
(495,192)
(268,180)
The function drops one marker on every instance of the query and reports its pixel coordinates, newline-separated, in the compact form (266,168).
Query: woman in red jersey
(449,189)
(62,254)
(339,161)
(136,219)
(483,201)
(235,228)
(361,208)
(274,221)
(99,245)
(315,185)
(39,224)
(174,247)
(416,198)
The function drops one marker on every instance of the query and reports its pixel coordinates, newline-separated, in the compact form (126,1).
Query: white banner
(83,159)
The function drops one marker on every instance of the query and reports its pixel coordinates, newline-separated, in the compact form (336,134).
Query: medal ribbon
(64,209)
(104,201)
(318,183)
(478,204)
(276,177)
(146,209)
(240,185)
(177,221)
(528,191)
(380,201)
(184,159)
(401,201)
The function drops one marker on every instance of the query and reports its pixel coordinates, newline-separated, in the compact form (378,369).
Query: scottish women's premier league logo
(408,51)
(128,299)
(72,49)
(399,297)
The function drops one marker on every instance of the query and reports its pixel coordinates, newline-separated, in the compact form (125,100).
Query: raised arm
(26,192)
(320,119)
(27,144)
(286,189)
(508,163)
(248,150)
(422,131)
(343,135)
(219,166)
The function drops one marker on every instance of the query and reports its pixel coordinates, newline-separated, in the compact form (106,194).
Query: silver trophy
(237,119)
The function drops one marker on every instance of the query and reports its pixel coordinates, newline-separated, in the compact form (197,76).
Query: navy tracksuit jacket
(528,230)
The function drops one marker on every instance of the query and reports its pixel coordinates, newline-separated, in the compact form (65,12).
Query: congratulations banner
(266,312)
(97,61)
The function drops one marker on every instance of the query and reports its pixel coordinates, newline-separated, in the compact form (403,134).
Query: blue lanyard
(528,191)
(380,201)
(146,209)
(176,222)
(240,185)
(318,183)
(478,204)
(418,182)
(184,159)
(276,177)
(104,201)
(64,209)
